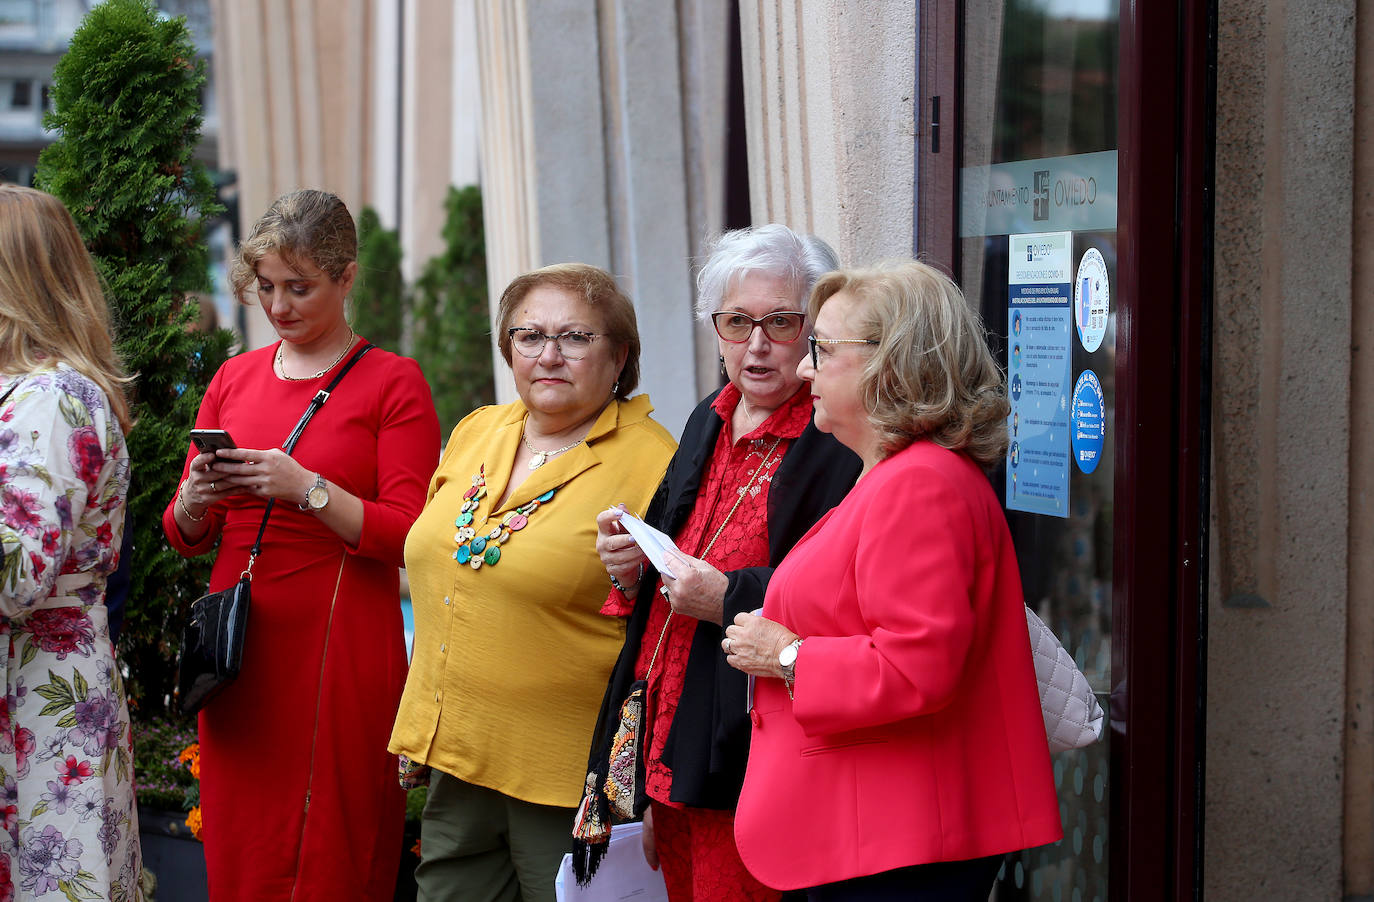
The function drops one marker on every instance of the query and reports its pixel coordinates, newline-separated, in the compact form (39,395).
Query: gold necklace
(281,366)
(542,457)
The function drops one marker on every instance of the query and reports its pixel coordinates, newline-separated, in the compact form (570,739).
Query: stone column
(583,160)
(829,94)
(1282,410)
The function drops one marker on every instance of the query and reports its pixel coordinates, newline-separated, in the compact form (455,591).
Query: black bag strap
(289,445)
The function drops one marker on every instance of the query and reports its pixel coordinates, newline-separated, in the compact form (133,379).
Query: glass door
(1063,173)
(1035,247)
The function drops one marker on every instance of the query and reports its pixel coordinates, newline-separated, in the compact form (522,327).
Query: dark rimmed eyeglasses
(813,341)
(531,342)
(735,327)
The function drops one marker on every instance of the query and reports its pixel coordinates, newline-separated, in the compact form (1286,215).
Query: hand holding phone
(211,440)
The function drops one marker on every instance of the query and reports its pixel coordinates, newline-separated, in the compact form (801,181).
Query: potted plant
(167,768)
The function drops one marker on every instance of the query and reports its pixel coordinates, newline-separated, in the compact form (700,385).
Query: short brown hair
(308,225)
(932,374)
(599,291)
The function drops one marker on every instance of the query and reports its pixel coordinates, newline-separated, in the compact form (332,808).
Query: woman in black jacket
(750,477)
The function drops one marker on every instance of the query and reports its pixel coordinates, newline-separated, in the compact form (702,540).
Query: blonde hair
(932,375)
(598,290)
(52,308)
(306,225)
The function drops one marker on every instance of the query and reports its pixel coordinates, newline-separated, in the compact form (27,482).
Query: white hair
(772,249)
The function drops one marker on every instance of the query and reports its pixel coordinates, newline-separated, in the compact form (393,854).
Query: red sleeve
(206,418)
(407,450)
(617,605)
(914,577)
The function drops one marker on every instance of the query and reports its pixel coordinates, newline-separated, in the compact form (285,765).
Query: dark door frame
(1163,377)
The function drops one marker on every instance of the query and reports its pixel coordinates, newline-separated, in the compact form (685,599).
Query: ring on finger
(727,645)
(212,486)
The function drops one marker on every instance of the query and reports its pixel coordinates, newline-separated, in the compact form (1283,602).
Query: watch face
(317,497)
(788,656)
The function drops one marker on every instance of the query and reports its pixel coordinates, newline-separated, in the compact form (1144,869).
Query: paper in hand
(652,542)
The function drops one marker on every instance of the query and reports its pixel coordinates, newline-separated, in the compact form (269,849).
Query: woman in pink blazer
(898,745)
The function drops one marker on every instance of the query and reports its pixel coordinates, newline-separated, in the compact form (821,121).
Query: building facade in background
(33,36)
(1155,206)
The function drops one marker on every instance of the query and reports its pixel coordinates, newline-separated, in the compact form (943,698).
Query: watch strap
(789,670)
(319,483)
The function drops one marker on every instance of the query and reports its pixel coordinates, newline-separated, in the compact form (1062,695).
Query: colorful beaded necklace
(475,550)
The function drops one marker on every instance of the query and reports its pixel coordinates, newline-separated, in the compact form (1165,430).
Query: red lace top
(742,543)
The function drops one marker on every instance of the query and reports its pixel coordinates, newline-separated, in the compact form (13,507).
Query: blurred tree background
(450,318)
(378,304)
(449,330)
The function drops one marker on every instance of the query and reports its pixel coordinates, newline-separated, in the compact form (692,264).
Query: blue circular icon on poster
(1016,387)
(1089,422)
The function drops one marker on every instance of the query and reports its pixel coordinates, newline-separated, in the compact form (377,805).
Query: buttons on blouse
(445,599)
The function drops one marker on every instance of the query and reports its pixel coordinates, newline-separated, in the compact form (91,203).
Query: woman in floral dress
(70,827)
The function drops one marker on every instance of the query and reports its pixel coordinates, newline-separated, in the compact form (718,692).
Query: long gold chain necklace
(281,366)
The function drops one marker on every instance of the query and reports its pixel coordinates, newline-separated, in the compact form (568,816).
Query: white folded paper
(652,542)
(623,874)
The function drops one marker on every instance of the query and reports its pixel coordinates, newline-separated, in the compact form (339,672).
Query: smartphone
(207,440)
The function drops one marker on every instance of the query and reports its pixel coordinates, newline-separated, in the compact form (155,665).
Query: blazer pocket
(840,746)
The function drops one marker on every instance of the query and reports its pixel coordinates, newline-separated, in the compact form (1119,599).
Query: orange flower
(191,754)
(193,821)
(415,849)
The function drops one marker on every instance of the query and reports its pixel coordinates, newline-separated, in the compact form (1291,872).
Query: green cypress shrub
(127,109)
(450,319)
(378,298)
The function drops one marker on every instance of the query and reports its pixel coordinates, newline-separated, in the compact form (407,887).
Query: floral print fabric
(70,829)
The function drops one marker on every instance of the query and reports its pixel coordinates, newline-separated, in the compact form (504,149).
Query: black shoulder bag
(212,642)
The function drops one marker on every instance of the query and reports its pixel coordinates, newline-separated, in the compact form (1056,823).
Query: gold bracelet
(181,499)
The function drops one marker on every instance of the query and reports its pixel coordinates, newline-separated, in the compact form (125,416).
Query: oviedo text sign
(1076,193)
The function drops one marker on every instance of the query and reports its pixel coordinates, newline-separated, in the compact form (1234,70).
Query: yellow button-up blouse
(511,660)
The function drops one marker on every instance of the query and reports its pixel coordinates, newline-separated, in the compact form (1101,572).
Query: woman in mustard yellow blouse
(511,653)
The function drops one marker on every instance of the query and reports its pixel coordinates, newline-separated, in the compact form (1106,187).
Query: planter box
(173,855)
(177,859)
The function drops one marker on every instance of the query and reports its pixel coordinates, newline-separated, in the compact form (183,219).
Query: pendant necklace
(542,457)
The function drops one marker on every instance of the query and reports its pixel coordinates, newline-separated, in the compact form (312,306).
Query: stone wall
(1282,476)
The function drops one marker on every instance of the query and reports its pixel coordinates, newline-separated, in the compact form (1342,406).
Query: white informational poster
(1040,326)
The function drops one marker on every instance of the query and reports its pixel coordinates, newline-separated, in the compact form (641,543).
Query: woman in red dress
(298,793)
